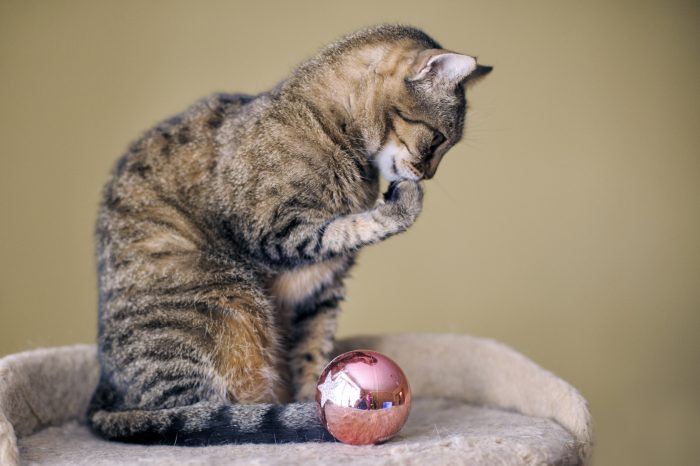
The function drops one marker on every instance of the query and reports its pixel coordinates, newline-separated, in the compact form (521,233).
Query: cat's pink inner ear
(448,66)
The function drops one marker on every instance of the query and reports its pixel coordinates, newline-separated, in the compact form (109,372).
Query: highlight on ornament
(363,397)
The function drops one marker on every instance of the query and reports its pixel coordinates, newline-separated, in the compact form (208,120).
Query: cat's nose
(430,166)
(427,172)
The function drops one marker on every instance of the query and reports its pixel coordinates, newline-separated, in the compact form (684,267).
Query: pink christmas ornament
(363,397)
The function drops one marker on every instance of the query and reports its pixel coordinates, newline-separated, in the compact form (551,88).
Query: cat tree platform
(476,401)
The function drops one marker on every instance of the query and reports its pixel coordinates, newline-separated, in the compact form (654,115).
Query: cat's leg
(313,327)
(298,238)
(208,330)
(246,346)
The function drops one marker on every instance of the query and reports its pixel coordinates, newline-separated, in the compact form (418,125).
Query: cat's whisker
(447,194)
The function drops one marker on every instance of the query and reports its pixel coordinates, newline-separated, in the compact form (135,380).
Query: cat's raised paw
(403,202)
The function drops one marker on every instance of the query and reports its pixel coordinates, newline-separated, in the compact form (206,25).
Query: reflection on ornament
(363,397)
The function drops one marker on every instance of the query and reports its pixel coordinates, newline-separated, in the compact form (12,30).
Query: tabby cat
(225,233)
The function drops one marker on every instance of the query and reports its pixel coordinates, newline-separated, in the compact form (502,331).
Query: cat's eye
(438,139)
(407,119)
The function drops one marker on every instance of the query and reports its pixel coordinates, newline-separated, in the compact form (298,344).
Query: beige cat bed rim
(50,387)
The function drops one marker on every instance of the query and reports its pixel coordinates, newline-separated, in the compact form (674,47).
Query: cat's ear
(476,75)
(451,67)
(447,66)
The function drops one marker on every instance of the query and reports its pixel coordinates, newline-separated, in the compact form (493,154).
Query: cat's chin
(400,176)
(402,171)
(408,178)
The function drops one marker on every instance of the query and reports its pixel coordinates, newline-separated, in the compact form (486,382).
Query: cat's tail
(208,423)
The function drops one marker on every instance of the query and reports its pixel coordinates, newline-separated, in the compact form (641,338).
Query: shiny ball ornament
(364,397)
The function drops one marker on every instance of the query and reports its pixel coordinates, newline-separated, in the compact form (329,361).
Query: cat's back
(173,160)
(155,203)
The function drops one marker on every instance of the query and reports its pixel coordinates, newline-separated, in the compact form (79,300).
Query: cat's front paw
(403,202)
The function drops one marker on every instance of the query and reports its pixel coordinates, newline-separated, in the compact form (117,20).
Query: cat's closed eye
(408,119)
(437,137)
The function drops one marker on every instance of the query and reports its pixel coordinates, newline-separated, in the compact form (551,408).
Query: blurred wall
(566,224)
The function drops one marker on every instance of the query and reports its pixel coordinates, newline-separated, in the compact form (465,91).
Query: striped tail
(208,423)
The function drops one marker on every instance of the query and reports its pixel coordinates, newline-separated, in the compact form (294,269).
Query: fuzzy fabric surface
(476,401)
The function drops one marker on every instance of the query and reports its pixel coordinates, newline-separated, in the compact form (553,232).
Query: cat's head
(423,108)
(395,94)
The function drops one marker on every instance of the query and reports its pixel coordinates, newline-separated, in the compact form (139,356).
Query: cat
(224,235)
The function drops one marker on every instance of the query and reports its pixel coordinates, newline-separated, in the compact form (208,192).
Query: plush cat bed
(476,401)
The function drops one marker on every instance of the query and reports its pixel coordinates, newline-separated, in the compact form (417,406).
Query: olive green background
(566,224)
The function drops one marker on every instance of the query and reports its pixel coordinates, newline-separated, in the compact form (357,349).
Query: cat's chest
(293,287)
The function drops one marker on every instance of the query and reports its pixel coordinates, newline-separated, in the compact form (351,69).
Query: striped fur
(225,233)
